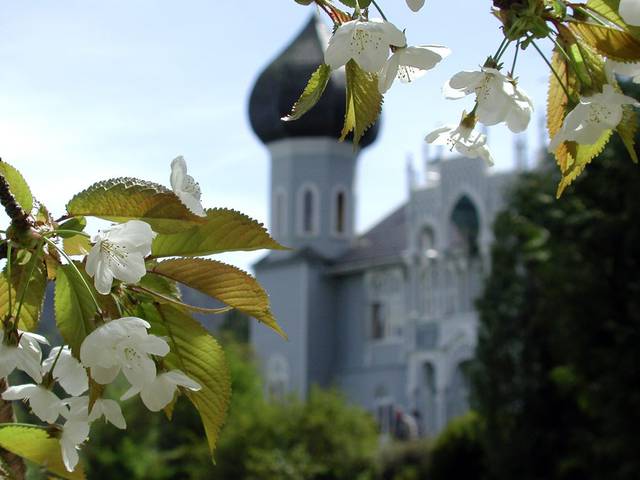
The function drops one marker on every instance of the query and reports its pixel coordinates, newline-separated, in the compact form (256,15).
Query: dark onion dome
(282,82)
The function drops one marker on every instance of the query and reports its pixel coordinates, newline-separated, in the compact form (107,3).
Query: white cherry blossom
(158,393)
(103,407)
(74,433)
(122,344)
(466,141)
(365,41)
(25,356)
(630,11)
(410,63)
(185,187)
(68,371)
(592,117)
(119,253)
(43,402)
(626,69)
(498,97)
(415,5)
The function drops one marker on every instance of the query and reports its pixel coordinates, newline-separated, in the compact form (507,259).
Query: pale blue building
(387,316)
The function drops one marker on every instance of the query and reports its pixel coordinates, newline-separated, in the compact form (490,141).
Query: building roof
(385,241)
(281,84)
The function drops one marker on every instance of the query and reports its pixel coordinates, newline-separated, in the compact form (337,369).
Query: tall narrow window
(340,213)
(307,212)
(280,216)
(378,321)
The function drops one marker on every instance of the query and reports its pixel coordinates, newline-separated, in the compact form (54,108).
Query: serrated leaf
(75,224)
(558,104)
(580,156)
(311,94)
(33,443)
(76,245)
(224,231)
(610,42)
(608,9)
(123,199)
(223,282)
(51,261)
(627,129)
(74,308)
(200,357)
(364,102)
(17,186)
(34,294)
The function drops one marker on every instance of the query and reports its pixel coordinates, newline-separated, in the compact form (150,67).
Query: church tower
(312,205)
(312,174)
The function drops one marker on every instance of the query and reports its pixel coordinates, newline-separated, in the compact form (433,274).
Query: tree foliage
(556,373)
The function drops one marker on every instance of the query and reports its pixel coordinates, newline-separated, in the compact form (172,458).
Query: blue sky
(92,90)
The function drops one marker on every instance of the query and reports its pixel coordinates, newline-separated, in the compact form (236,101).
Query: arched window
(340,219)
(277,376)
(427,243)
(309,210)
(458,391)
(464,227)
(280,213)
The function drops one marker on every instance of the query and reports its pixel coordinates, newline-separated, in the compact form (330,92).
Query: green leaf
(352,3)
(33,443)
(34,296)
(199,356)
(74,308)
(223,282)
(224,231)
(123,199)
(612,43)
(17,186)
(311,94)
(364,102)
(76,224)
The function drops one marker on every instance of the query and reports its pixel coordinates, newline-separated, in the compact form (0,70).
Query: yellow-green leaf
(311,94)
(74,308)
(33,443)
(579,157)
(199,356)
(123,199)
(223,282)
(609,10)
(558,104)
(33,295)
(627,130)
(364,102)
(224,231)
(610,42)
(17,186)
(76,245)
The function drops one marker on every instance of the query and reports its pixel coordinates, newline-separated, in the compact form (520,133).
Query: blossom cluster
(119,345)
(380,48)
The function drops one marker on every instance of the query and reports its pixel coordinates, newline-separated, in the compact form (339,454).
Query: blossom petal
(388,73)
(179,378)
(141,372)
(462,84)
(158,394)
(104,376)
(630,12)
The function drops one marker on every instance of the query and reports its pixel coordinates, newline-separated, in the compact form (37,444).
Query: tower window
(280,214)
(378,321)
(308,210)
(340,220)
